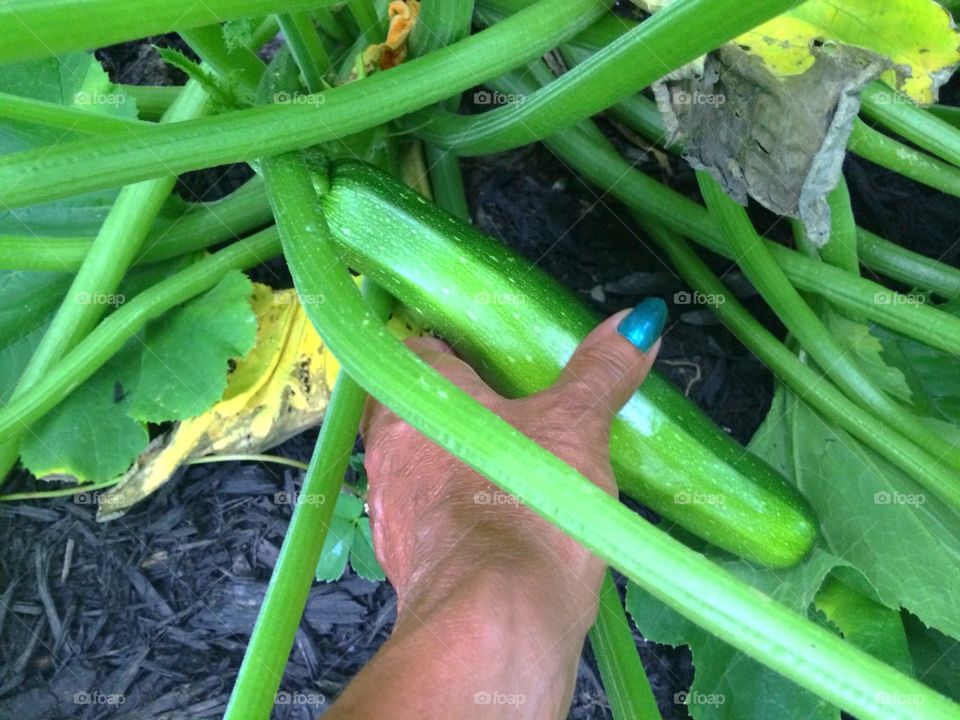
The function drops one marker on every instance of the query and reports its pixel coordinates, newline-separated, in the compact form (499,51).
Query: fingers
(441,357)
(613,360)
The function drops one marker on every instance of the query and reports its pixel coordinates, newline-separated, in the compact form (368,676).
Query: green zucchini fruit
(518,327)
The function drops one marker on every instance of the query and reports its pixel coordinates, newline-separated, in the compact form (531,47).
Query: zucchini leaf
(932,375)
(183,370)
(729,685)
(94,435)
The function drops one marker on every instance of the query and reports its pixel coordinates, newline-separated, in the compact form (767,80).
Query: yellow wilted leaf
(918,36)
(280,388)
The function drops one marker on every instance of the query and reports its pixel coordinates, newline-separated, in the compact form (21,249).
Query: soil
(148,616)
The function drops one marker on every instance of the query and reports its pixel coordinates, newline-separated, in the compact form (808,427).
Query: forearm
(484,651)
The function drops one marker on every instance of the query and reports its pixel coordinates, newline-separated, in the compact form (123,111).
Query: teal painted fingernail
(645,323)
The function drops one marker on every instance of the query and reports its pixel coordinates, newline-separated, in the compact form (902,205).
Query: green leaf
(867,624)
(729,685)
(185,361)
(340,538)
(936,656)
(90,436)
(903,540)
(76,80)
(857,340)
(363,560)
(933,375)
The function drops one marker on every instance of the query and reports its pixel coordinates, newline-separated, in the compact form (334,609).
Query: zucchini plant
(127,302)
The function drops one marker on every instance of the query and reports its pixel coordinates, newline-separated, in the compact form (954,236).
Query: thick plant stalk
(260,674)
(48,114)
(759,267)
(681,578)
(110,256)
(75,167)
(240,64)
(910,268)
(903,159)
(206,224)
(815,389)
(898,113)
(307,48)
(841,250)
(106,339)
(679,33)
(34,29)
(624,679)
(440,24)
(152,100)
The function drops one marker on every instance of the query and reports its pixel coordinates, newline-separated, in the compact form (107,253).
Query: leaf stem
(260,674)
(758,265)
(624,679)
(307,48)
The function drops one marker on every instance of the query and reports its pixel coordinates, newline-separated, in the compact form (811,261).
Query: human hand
(472,565)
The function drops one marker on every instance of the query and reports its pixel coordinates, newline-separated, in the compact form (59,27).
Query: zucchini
(518,327)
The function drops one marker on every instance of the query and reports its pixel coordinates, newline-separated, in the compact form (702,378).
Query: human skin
(494,602)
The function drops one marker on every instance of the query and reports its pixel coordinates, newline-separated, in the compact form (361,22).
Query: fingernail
(645,323)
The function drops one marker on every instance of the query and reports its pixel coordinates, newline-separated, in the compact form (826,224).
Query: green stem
(679,33)
(205,225)
(910,268)
(903,159)
(234,457)
(624,679)
(440,24)
(59,492)
(41,112)
(238,65)
(603,166)
(75,167)
(841,250)
(332,26)
(152,100)
(31,29)
(256,687)
(947,113)
(106,339)
(307,48)
(682,578)
(366,16)
(760,268)
(898,113)
(110,256)
(808,385)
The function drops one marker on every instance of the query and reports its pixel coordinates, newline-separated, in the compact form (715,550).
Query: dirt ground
(148,616)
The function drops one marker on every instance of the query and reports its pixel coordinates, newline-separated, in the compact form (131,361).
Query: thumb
(613,360)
